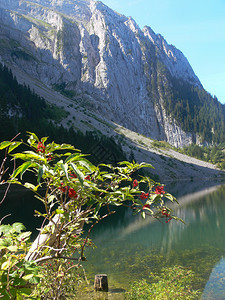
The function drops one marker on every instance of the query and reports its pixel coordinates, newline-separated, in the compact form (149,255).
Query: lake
(129,248)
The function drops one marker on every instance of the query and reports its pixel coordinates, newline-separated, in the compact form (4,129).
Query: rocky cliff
(99,59)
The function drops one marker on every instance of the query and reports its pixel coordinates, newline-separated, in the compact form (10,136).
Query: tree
(75,193)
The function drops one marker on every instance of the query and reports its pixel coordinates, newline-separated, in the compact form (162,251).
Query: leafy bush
(17,275)
(76,192)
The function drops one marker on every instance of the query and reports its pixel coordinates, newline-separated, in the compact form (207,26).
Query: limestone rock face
(85,47)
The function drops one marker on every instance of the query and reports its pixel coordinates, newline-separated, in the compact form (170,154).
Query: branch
(42,259)
(3,171)
(90,229)
(5,193)
(4,217)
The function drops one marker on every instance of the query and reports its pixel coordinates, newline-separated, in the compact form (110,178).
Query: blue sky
(196,27)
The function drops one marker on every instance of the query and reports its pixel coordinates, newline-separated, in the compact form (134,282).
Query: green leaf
(12,248)
(143,215)
(40,174)
(33,136)
(24,235)
(73,157)
(18,296)
(13,146)
(39,198)
(59,211)
(105,165)
(79,174)
(97,208)
(24,291)
(15,181)
(170,197)
(109,176)
(51,198)
(5,294)
(26,166)
(64,147)
(35,280)
(126,163)
(39,213)
(138,201)
(18,227)
(5,243)
(145,165)
(89,166)
(29,155)
(4,144)
(148,209)
(44,139)
(66,154)
(30,186)
(155,197)
(6,265)
(28,276)
(113,202)
(5,229)
(46,229)
(16,172)
(178,219)
(64,167)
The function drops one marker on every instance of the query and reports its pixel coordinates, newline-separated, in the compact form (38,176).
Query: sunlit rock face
(100,55)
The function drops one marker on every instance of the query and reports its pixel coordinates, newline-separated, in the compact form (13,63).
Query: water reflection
(198,243)
(129,248)
(204,223)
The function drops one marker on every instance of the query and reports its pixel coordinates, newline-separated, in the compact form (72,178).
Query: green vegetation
(213,154)
(55,113)
(76,192)
(61,88)
(162,145)
(22,110)
(194,109)
(138,262)
(16,274)
(172,283)
(20,107)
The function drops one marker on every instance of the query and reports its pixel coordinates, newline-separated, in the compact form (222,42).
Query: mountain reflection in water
(199,243)
(129,247)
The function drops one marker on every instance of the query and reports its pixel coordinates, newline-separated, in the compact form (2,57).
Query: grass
(162,145)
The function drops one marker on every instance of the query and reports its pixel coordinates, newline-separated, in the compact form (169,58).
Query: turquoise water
(130,248)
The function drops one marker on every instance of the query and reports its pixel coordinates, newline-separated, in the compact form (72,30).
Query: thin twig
(90,229)
(5,193)
(3,171)
(4,218)
(42,259)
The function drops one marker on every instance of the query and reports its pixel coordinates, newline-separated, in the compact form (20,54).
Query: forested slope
(22,110)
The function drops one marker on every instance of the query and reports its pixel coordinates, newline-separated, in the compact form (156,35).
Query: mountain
(103,62)
(23,110)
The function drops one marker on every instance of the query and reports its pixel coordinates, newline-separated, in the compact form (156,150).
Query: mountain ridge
(101,59)
(168,164)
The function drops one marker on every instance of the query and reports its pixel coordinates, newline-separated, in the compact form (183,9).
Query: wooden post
(101,283)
